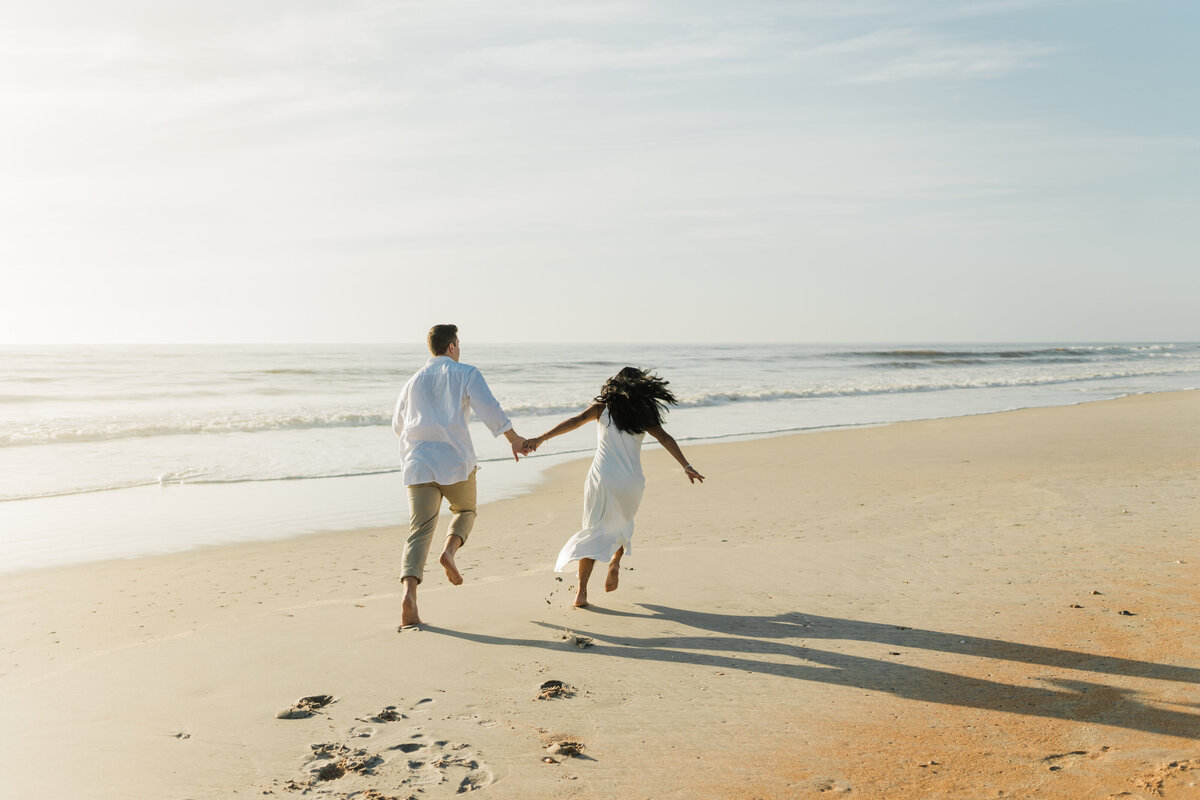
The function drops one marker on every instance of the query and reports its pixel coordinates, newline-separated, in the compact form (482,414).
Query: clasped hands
(523,447)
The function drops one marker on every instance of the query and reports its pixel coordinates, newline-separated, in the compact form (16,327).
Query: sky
(599,170)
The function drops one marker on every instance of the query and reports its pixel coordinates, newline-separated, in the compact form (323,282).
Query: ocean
(121,451)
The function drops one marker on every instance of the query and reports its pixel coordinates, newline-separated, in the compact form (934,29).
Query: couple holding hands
(439,462)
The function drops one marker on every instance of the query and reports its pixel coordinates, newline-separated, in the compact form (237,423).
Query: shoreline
(928,608)
(291,508)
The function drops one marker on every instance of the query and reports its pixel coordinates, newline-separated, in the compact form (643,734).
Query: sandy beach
(993,606)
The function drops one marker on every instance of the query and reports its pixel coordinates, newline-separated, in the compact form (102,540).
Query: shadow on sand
(731,642)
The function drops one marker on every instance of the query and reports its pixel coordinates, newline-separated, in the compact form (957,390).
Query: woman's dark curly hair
(636,400)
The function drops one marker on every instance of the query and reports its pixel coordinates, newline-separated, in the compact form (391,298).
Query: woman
(630,405)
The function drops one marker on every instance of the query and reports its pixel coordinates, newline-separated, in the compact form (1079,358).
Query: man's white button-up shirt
(431,420)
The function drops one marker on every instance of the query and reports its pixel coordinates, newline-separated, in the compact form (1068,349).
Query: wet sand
(993,606)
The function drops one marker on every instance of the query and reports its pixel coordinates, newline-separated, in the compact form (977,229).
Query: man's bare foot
(614,577)
(452,573)
(408,612)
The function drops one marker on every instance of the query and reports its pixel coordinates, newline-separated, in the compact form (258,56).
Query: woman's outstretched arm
(590,414)
(671,446)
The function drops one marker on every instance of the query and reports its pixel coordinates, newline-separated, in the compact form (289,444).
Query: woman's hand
(531,445)
(693,474)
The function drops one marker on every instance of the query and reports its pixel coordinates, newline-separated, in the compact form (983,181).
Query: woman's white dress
(612,493)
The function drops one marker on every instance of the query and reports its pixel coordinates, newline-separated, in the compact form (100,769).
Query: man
(438,457)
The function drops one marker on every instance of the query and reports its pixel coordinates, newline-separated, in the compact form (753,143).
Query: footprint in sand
(388,714)
(449,763)
(1174,772)
(554,689)
(293,713)
(829,785)
(305,707)
(568,747)
(582,642)
(399,761)
(1059,761)
(333,760)
(331,772)
(328,750)
(477,777)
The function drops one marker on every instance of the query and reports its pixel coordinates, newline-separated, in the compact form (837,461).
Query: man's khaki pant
(424,504)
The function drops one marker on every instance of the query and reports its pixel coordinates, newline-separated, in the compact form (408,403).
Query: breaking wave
(54,431)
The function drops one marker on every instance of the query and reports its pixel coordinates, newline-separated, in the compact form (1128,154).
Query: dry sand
(929,609)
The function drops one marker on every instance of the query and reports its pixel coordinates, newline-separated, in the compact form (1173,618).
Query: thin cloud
(996,7)
(964,62)
(882,40)
(908,54)
(574,55)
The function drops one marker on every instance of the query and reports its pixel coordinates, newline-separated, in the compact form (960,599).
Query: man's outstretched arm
(484,403)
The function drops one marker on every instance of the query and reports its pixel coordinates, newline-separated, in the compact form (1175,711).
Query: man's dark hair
(440,337)
(636,399)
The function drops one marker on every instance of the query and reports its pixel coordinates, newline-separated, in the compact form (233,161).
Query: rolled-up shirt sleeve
(484,404)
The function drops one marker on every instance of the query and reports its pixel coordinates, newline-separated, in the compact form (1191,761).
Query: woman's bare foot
(452,573)
(585,574)
(614,577)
